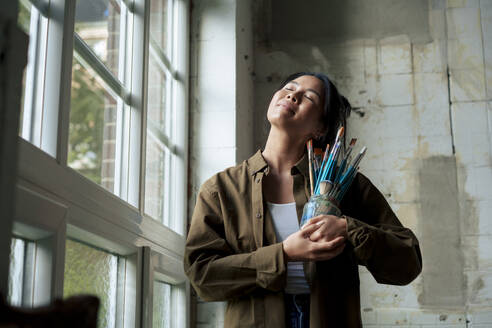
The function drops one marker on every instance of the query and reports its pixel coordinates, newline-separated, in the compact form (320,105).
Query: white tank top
(285,222)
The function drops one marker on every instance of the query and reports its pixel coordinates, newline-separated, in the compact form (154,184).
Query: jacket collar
(257,163)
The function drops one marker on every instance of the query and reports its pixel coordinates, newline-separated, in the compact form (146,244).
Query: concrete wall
(419,76)
(221,93)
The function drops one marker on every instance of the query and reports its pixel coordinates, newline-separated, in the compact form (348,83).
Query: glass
(160,24)
(317,205)
(97,22)
(158,157)
(24,16)
(24,22)
(92,128)
(16,271)
(21,272)
(161,314)
(159,93)
(155,180)
(92,271)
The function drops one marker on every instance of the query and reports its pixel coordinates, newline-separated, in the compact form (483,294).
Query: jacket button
(258,215)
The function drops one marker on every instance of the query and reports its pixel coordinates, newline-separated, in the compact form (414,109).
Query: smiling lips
(287,105)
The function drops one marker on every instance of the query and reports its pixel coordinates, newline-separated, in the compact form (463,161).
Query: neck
(282,151)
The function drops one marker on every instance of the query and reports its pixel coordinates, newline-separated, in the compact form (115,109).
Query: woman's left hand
(330,227)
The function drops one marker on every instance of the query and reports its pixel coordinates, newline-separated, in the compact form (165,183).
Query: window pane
(156,180)
(92,271)
(97,22)
(92,130)
(160,24)
(24,16)
(34,24)
(16,270)
(22,268)
(159,92)
(23,19)
(161,314)
(157,154)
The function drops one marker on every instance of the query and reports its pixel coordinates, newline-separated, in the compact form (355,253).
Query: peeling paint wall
(439,226)
(421,88)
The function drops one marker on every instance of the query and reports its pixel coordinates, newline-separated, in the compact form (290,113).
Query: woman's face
(298,107)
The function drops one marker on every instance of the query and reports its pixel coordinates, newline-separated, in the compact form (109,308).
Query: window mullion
(161,59)
(147,287)
(180,113)
(144,121)
(28,127)
(41,5)
(123,116)
(138,109)
(29,274)
(93,61)
(158,135)
(57,75)
(120,292)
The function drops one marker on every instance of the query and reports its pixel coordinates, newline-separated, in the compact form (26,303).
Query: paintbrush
(321,169)
(334,151)
(311,159)
(344,161)
(318,154)
(353,166)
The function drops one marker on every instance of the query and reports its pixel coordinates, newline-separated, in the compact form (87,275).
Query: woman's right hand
(298,246)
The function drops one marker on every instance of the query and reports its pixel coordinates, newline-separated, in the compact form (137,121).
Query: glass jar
(318,205)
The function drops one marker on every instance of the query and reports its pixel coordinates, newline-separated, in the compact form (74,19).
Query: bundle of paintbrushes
(330,177)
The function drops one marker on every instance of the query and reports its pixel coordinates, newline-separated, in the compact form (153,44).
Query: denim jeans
(297,311)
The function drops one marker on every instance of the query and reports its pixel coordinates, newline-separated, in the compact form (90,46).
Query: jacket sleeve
(389,251)
(216,272)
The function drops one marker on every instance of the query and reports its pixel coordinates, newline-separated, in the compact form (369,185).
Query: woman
(244,246)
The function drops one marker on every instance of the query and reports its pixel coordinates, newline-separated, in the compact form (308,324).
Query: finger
(316,219)
(308,230)
(340,240)
(329,245)
(320,233)
(315,236)
(325,233)
(313,220)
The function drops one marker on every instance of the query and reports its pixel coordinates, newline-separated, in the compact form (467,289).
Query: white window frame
(165,268)
(49,236)
(95,215)
(35,69)
(176,145)
(128,292)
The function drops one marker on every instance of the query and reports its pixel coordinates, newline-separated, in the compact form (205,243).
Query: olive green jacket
(232,254)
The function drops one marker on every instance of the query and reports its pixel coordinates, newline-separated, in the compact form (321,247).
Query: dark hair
(336,109)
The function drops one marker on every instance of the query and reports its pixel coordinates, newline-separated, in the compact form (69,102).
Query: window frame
(95,215)
(49,237)
(177,144)
(167,269)
(128,293)
(34,92)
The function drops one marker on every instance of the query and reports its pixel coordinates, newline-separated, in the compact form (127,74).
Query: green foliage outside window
(86,124)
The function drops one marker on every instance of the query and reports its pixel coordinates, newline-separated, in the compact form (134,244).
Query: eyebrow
(312,90)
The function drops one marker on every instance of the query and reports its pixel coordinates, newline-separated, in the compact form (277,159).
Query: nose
(292,97)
